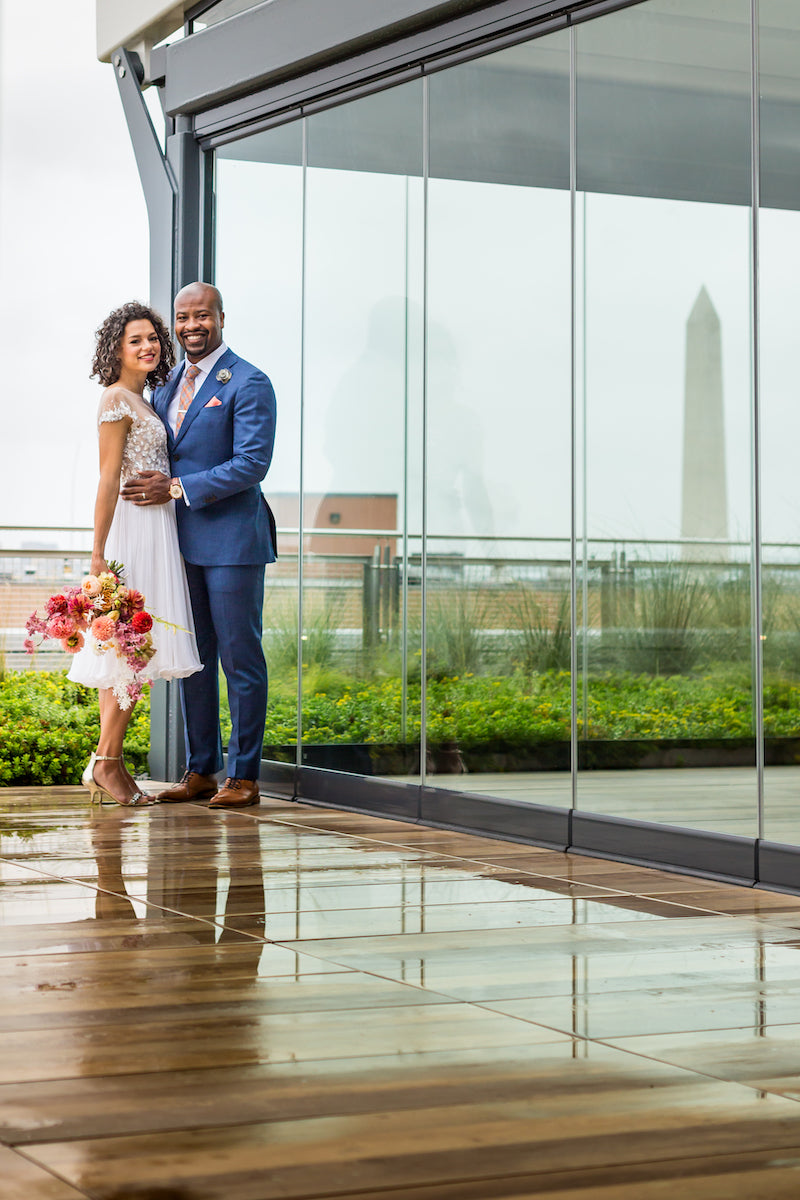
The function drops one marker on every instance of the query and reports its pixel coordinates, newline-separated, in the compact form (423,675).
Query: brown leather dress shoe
(193,786)
(237,793)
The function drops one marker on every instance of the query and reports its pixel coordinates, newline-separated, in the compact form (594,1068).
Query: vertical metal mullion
(404,595)
(423,733)
(301,481)
(208,223)
(584,486)
(757,584)
(573,547)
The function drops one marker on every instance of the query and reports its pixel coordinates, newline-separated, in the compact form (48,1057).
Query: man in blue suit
(220,416)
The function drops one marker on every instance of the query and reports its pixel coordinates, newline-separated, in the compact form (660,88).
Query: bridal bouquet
(116,618)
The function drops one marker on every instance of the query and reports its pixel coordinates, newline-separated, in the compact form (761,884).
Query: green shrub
(540,640)
(50,726)
(659,622)
(320,632)
(455,634)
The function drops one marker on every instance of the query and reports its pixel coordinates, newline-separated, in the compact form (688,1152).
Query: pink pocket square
(212,403)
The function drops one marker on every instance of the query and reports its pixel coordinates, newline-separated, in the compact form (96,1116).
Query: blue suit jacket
(221,453)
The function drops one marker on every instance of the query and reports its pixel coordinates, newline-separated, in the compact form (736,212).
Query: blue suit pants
(227,603)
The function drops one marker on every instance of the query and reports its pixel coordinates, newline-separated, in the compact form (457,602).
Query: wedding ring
(144,497)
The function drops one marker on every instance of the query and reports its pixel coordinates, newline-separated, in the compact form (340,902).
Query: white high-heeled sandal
(87,778)
(100,795)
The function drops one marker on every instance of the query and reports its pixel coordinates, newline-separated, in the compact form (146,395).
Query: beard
(200,346)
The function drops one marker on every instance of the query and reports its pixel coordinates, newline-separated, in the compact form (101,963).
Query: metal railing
(616,569)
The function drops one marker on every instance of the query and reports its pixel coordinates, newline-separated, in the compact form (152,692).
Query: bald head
(199,319)
(202,291)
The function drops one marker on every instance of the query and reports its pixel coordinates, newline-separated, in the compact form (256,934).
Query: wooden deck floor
(297,1002)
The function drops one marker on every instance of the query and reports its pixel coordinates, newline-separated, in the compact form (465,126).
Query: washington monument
(704,512)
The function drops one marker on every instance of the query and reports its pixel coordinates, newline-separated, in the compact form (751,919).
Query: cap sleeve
(114,407)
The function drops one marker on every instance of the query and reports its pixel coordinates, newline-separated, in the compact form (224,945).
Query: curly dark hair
(105,364)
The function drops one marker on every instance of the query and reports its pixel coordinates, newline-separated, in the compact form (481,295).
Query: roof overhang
(143,23)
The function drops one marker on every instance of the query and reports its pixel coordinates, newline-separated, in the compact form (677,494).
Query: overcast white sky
(73,245)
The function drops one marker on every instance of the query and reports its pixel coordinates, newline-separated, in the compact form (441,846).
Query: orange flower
(103,628)
(73,643)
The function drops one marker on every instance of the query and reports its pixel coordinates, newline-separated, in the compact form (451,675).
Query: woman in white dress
(134,351)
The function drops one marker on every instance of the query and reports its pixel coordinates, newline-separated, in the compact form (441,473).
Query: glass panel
(259,271)
(663,161)
(779,340)
(362,363)
(499,426)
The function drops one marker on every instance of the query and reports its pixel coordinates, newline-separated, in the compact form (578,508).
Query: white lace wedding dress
(145,541)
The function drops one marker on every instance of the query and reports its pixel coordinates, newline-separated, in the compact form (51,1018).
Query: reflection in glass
(260,221)
(391,240)
(665,510)
(779,347)
(362,396)
(498,425)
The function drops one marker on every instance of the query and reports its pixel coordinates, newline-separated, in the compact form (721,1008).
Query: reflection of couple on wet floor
(184,876)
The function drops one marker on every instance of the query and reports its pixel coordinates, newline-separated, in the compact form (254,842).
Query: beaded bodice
(146,443)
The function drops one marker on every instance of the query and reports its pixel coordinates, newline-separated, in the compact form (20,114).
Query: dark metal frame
(266,66)
(302,78)
(178,191)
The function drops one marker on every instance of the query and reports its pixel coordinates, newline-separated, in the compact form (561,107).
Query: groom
(220,416)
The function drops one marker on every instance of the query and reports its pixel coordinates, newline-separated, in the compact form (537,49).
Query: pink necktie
(187,394)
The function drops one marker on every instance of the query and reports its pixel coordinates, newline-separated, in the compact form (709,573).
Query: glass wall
(534,466)
(260,221)
(498,511)
(362,445)
(663,225)
(779,347)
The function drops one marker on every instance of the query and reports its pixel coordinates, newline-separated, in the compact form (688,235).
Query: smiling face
(199,320)
(140,349)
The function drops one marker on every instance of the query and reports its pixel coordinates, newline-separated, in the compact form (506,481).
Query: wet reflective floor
(298,1002)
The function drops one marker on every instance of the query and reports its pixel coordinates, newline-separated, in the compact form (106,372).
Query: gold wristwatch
(175,489)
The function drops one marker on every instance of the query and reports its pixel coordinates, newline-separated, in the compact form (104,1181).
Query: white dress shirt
(204,368)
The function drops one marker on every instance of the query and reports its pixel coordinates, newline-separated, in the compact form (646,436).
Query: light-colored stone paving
(298,1002)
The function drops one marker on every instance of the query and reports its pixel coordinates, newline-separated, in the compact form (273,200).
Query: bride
(133,351)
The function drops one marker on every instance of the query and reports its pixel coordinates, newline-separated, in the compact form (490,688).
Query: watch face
(176,491)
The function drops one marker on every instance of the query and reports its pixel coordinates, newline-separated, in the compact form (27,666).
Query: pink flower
(103,628)
(73,643)
(56,604)
(91,585)
(35,624)
(135,600)
(29,644)
(60,627)
(79,605)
